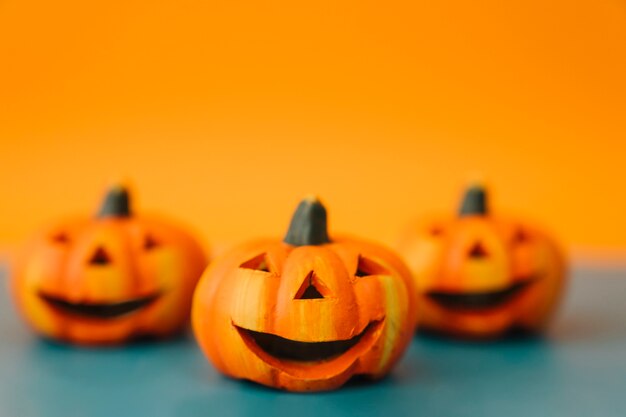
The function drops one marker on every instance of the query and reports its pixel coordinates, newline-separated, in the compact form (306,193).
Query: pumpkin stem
(308,224)
(116,203)
(474,202)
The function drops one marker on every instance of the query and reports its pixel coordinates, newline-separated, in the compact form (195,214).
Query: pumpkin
(305,313)
(482,276)
(108,279)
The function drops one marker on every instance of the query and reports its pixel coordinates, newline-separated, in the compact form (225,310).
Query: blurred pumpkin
(306,313)
(108,279)
(479,275)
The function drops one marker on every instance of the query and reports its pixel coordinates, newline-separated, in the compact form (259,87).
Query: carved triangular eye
(311,288)
(100,257)
(367,267)
(258,263)
(150,243)
(61,238)
(478,251)
(436,231)
(520,236)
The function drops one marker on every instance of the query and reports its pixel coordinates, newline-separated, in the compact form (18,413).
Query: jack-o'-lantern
(306,313)
(110,278)
(480,275)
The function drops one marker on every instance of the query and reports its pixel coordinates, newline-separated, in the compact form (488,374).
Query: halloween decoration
(108,279)
(306,313)
(480,275)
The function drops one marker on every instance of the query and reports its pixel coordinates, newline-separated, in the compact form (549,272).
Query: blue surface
(577,369)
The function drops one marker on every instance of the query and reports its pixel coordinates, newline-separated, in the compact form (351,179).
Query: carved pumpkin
(479,275)
(108,279)
(305,313)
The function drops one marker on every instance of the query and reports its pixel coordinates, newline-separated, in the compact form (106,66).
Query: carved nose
(100,257)
(312,288)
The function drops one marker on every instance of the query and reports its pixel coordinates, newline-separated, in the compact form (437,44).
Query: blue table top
(577,369)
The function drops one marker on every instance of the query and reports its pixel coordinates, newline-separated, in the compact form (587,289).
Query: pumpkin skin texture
(108,279)
(306,313)
(482,276)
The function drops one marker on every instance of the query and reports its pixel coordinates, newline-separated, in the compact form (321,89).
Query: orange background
(225,113)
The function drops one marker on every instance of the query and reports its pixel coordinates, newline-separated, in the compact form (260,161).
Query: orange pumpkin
(108,279)
(479,275)
(305,313)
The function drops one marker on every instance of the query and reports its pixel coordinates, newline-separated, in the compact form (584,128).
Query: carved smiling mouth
(286,349)
(98,310)
(479,301)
